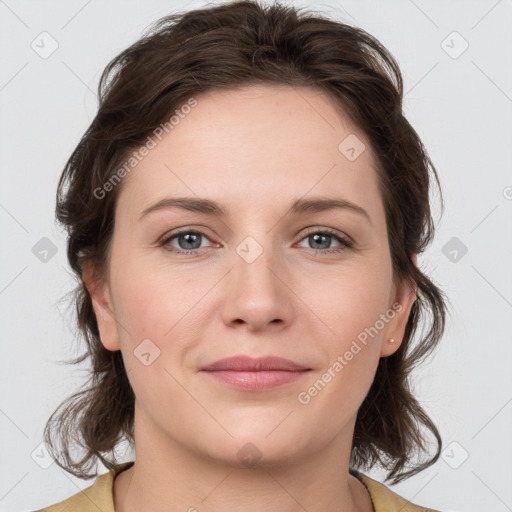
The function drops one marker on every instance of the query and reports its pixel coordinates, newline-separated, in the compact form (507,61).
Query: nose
(258,291)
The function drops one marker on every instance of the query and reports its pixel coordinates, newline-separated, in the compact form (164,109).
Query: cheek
(351,300)
(154,313)
(141,306)
(351,308)
(158,302)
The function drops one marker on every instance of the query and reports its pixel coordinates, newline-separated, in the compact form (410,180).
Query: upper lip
(251,364)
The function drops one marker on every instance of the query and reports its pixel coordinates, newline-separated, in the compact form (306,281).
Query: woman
(244,216)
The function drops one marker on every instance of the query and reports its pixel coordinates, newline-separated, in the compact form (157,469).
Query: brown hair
(225,47)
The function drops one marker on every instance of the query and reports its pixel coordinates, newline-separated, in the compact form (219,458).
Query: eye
(189,242)
(323,238)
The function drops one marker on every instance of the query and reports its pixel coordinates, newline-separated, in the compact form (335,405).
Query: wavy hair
(225,47)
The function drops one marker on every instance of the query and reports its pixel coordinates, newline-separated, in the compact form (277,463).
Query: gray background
(459,101)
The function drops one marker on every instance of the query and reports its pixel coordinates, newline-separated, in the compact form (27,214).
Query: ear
(101,302)
(404,298)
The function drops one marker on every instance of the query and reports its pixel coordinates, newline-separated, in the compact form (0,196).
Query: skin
(254,150)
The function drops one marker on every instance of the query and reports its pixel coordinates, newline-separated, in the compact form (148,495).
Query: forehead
(259,145)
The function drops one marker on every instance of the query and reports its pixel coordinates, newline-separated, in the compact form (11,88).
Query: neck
(189,481)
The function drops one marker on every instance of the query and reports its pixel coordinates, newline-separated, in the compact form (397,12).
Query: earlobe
(404,300)
(103,310)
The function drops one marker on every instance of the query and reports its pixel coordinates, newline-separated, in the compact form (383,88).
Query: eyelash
(344,243)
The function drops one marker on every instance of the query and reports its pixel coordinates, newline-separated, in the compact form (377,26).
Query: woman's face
(269,276)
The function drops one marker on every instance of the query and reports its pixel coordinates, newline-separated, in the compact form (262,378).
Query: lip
(255,374)
(254,364)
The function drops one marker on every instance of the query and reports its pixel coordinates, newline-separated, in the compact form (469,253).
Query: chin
(255,447)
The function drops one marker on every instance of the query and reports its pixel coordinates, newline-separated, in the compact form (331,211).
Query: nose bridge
(255,261)
(255,248)
(257,294)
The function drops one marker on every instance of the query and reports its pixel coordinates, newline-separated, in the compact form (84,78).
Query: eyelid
(165,239)
(330,231)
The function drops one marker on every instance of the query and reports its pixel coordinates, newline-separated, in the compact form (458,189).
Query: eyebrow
(209,207)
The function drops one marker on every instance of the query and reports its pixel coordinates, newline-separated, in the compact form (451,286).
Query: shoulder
(385,500)
(97,496)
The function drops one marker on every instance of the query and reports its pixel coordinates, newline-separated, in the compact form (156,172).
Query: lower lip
(257,380)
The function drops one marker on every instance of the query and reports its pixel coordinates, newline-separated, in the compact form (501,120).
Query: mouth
(254,374)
